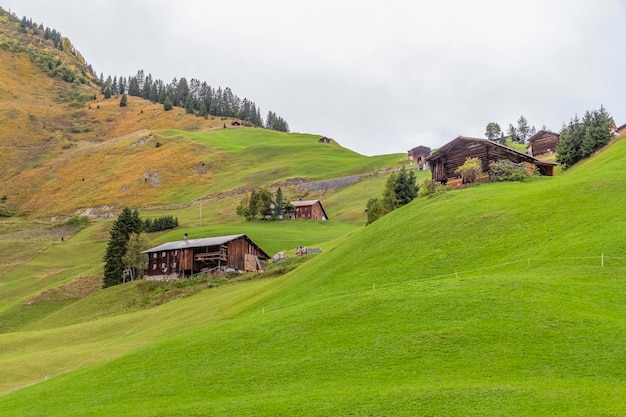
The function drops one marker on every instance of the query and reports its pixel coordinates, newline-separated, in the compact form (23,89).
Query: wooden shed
(323,139)
(543,142)
(308,209)
(419,155)
(188,257)
(445,160)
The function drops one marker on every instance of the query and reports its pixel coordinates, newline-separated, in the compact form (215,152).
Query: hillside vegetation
(486,301)
(498,299)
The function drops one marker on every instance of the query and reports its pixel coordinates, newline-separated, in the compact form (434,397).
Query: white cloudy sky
(379,77)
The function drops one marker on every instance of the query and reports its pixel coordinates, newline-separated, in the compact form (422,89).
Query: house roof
(418,149)
(466,140)
(541,134)
(304,203)
(199,243)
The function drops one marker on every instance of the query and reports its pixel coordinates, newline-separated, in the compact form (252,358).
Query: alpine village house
(188,257)
(445,160)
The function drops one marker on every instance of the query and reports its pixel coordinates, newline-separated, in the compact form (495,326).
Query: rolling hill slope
(491,300)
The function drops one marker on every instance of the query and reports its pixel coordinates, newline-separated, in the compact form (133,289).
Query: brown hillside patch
(47,127)
(75,290)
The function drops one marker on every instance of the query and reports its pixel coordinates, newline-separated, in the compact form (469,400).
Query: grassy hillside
(486,301)
(86,154)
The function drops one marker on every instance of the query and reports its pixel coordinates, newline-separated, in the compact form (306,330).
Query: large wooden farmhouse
(419,155)
(308,209)
(543,142)
(187,257)
(445,160)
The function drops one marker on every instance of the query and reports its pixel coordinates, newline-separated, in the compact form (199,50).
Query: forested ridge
(195,96)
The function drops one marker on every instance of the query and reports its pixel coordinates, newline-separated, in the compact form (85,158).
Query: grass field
(491,300)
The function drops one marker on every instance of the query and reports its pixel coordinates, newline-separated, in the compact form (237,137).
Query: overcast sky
(378,77)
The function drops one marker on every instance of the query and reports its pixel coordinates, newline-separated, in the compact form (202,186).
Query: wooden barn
(445,160)
(308,209)
(187,257)
(323,139)
(419,155)
(543,142)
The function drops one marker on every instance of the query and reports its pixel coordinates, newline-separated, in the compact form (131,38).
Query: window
(163,254)
(174,264)
(163,265)
(154,266)
(154,255)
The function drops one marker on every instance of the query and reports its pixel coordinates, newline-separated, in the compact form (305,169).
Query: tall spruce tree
(405,187)
(522,129)
(127,222)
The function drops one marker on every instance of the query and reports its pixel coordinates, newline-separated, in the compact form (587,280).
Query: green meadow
(498,299)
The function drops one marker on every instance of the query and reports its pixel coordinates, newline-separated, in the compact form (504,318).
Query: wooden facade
(188,257)
(445,160)
(308,209)
(419,155)
(543,142)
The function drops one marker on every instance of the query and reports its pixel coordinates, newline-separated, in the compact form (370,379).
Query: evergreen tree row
(195,96)
(160,223)
(581,138)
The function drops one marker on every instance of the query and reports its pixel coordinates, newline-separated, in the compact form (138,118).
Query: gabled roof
(464,140)
(420,148)
(199,243)
(304,203)
(540,134)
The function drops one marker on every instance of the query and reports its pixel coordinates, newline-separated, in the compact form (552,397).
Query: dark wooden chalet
(323,139)
(187,257)
(419,155)
(445,160)
(543,142)
(235,123)
(621,130)
(308,209)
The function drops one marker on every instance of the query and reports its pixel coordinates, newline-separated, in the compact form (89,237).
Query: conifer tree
(123,101)
(127,222)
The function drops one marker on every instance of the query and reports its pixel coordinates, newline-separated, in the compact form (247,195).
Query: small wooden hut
(543,142)
(419,155)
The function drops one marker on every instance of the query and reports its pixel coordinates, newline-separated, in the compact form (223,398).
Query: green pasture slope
(500,299)
(259,157)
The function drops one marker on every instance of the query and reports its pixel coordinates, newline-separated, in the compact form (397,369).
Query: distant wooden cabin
(188,257)
(445,160)
(323,139)
(419,155)
(235,123)
(307,209)
(543,142)
(621,131)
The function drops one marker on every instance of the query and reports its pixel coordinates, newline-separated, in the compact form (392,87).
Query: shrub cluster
(505,170)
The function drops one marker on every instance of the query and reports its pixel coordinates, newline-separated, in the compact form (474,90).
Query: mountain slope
(486,301)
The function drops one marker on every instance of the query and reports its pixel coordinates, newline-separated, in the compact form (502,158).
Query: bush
(505,170)
(470,170)
(428,187)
